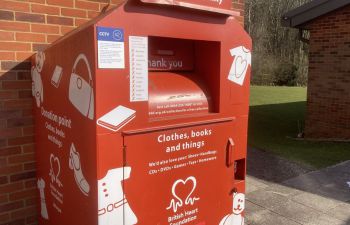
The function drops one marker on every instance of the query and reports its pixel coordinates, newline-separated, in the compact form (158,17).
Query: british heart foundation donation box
(141,117)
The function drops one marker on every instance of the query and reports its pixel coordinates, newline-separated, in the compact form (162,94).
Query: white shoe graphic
(113,207)
(41,187)
(75,165)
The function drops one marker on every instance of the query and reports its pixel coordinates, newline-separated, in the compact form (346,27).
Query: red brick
(7,36)
(8,94)
(30,166)
(10,151)
(24,75)
(12,187)
(14,26)
(6,85)
(93,14)
(11,206)
(66,29)
(64,3)
(59,20)
(87,5)
(39,47)
(30,183)
(28,148)
(22,176)
(79,22)
(4,217)
(3,199)
(19,122)
(20,140)
(11,169)
(73,12)
(10,132)
(52,38)
(6,114)
(30,37)
(47,29)
(16,159)
(21,56)
(15,65)
(50,10)
(18,104)
(31,201)
(6,15)
(25,94)
(30,17)
(24,194)
(15,6)
(28,130)
(25,211)
(14,46)
(7,55)
(3,180)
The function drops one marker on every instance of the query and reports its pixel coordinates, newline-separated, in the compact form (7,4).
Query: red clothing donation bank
(141,117)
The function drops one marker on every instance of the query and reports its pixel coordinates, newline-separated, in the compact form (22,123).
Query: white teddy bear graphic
(235,218)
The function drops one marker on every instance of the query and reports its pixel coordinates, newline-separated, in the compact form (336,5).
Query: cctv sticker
(110,43)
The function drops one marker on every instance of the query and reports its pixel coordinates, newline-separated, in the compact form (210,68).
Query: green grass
(277,116)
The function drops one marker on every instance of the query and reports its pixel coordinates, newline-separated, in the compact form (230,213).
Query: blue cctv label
(110,34)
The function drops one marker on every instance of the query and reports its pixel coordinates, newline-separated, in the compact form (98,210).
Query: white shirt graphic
(242,60)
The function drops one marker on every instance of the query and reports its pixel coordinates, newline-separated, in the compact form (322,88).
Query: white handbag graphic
(81,93)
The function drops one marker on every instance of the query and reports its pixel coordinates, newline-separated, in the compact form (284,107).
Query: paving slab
(312,198)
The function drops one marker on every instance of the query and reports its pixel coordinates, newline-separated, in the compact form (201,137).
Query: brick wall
(328,106)
(27,26)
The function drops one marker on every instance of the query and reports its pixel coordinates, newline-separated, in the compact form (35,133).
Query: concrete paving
(314,198)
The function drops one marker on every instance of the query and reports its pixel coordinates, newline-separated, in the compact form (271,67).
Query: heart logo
(55,169)
(240,66)
(181,187)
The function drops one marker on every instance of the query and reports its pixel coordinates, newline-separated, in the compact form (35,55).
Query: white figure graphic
(81,93)
(56,76)
(177,202)
(242,60)
(37,84)
(55,170)
(113,207)
(348,183)
(75,165)
(235,218)
(41,187)
(117,118)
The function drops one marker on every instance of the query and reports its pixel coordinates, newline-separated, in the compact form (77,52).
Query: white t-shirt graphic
(242,60)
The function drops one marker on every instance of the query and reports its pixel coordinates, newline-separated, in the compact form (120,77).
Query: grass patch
(275,117)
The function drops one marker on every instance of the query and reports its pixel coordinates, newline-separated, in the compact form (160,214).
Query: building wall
(27,26)
(328,104)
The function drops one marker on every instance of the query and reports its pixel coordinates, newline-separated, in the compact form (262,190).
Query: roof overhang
(300,16)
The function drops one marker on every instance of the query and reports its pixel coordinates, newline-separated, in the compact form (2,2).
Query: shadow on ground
(281,192)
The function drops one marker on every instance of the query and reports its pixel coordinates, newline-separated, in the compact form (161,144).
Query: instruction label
(138,53)
(110,44)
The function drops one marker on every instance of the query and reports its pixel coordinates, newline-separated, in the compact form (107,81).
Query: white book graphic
(117,118)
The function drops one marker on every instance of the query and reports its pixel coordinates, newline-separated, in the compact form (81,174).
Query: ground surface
(277,116)
(280,192)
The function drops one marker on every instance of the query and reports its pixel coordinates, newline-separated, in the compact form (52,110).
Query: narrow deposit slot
(183,77)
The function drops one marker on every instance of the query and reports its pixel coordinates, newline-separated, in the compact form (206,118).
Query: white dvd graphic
(75,165)
(116,118)
(113,207)
(81,93)
(56,76)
